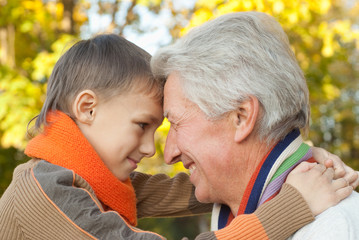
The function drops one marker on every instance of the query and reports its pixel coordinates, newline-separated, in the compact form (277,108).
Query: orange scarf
(63,144)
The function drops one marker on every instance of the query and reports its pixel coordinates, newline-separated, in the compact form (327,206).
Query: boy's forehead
(149,105)
(149,88)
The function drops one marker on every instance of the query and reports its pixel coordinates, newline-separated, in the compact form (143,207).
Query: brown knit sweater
(45,201)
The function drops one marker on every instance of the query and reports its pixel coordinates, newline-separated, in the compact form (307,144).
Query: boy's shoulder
(72,200)
(53,179)
(25,167)
(46,200)
(53,175)
(39,177)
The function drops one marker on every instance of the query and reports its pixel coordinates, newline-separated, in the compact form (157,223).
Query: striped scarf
(268,178)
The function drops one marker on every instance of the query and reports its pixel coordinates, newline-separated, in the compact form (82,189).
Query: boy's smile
(133,162)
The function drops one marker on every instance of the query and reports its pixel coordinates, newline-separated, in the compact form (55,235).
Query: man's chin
(201,196)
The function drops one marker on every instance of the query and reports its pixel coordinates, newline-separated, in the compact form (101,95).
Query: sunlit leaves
(278,7)
(20,100)
(149,3)
(45,61)
(38,40)
(80,14)
(56,9)
(331,91)
(200,16)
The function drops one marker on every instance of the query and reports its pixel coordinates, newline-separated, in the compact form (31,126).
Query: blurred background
(324,35)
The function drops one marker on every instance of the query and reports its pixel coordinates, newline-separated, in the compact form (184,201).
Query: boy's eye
(142,125)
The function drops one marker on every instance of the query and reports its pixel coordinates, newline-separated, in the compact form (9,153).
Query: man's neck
(266,174)
(252,154)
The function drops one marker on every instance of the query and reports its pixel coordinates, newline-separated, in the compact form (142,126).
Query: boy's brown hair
(106,64)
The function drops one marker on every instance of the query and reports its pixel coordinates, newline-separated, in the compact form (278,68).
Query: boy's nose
(148,148)
(171,153)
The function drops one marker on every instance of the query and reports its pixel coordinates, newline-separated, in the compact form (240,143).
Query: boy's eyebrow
(153,118)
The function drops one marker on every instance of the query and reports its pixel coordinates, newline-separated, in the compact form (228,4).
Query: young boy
(101,112)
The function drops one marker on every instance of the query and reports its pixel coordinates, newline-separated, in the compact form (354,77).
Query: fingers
(328,172)
(303,167)
(343,186)
(351,178)
(316,184)
(354,182)
(343,193)
(339,183)
(320,168)
(329,163)
(329,160)
(338,166)
(319,154)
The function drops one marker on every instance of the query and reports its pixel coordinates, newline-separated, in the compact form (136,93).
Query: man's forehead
(175,106)
(173,97)
(173,115)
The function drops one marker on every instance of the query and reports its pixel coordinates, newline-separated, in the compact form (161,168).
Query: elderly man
(237,99)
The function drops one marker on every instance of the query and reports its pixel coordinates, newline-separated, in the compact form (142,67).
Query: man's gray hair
(223,61)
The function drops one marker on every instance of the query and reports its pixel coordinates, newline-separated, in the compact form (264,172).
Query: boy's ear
(245,118)
(84,106)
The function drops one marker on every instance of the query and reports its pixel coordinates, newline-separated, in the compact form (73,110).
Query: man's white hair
(223,61)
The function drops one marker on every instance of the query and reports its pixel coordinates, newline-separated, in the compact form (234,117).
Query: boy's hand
(340,169)
(315,182)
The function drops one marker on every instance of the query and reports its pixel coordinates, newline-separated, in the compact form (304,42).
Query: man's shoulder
(347,210)
(338,222)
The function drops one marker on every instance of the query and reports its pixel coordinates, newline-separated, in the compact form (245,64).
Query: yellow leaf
(148,3)
(209,4)
(293,17)
(278,7)
(32,4)
(13,137)
(59,10)
(79,15)
(259,5)
(327,50)
(26,26)
(52,7)
(165,126)
(324,6)
(247,5)
(199,17)
(322,28)
(331,92)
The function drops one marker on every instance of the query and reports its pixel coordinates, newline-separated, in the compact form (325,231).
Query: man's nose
(171,153)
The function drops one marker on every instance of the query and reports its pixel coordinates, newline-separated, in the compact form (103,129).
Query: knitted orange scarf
(63,144)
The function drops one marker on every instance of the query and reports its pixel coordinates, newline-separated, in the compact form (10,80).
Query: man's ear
(245,118)
(84,106)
